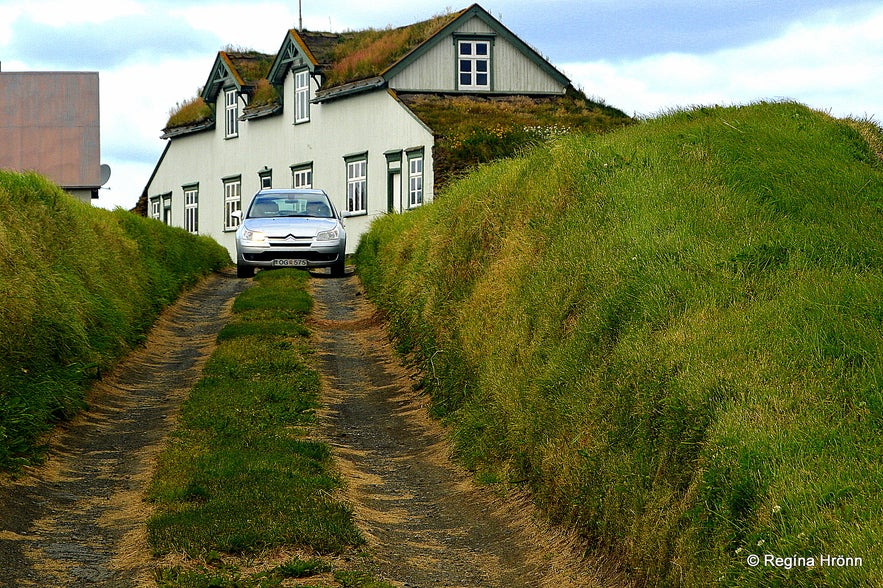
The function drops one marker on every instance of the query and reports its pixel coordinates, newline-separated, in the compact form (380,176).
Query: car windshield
(274,205)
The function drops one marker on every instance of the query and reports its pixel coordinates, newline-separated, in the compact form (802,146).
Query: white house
(334,111)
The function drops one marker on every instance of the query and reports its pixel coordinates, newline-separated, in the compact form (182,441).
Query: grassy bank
(243,490)
(671,334)
(79,287)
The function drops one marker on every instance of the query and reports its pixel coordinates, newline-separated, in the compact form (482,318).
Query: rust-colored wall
(49,123)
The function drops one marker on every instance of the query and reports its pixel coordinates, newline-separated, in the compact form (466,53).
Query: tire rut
(80,518)
(426,522)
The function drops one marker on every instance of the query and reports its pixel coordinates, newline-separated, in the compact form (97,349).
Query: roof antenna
(300,15)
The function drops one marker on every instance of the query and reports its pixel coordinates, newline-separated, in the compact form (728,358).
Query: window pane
(481,48)
(465,48)
(232,109)
(481,66)
(356,185)
(302,96)
(481,80)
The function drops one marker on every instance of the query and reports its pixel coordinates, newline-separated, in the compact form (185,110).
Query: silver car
(290,228)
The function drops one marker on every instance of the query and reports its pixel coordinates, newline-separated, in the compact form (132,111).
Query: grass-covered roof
(357,55)
(470,130)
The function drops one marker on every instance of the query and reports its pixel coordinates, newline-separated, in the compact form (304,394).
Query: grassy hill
(672,334)
(79,287)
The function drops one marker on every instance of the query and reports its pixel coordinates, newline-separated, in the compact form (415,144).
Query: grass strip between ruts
(242,477)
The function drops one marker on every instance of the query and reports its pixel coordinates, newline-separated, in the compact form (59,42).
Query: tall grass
(79,287)
(671,334)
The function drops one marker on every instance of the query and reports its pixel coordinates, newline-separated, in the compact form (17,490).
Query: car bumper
(275,256)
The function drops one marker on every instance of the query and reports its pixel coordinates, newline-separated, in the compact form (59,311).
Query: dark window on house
(474,64)
(266,179)
(167,209)
(191,209)
(302,176)
(232,202)
(357,185)
(415,179)
(302,96)
(155,208)
(232,113)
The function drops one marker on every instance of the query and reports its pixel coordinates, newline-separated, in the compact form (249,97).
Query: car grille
(290,241)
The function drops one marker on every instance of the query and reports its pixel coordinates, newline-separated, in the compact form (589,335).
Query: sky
(641,56)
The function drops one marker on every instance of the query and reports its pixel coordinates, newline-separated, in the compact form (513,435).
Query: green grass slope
(79,286)
(671,334)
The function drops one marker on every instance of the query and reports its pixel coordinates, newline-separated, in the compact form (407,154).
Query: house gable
(475,22)
(293,54)
(240,69)
(223,75)
(244,71)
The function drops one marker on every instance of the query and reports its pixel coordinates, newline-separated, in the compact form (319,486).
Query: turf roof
(357,55)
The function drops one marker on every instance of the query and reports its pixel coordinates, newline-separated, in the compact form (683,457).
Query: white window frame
(232,202)
(155,208)
(415,180)
(266,179)
(302,96)
(191,209)
(357,185)
(167,209)
(471,64)
(302,177)
(231,110)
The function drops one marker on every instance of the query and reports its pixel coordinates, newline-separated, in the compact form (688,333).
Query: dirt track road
(427,523)
(79,519)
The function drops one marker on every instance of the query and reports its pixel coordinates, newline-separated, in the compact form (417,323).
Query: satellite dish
(105,173)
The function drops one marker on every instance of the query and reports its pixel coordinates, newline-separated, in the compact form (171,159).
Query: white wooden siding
(513,72)
(374,122)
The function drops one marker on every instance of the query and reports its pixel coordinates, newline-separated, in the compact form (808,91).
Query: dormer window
(474,64)
(232,113)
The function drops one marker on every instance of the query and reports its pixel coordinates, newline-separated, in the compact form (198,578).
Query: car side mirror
(236,214)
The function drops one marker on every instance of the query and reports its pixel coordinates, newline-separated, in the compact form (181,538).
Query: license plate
(290,262)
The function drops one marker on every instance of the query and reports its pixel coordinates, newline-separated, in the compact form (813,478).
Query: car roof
(287,191)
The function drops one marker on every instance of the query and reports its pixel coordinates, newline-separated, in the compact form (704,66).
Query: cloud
(107,44)
(631,29)
(58,13)
(830,62)
(133,114)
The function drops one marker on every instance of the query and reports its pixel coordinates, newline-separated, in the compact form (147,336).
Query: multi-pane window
(474,58)
(232,113)
(415,181)
(302,177)
(191,209)
(155,208)
(232,203)
(357,185)
(302,96)
(167,208)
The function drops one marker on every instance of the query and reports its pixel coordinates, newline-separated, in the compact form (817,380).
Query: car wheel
(338,270)
(244,271)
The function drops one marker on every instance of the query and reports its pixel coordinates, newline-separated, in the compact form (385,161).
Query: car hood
(298,226)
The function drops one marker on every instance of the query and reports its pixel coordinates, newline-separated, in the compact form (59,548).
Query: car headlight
(249,235)
(330,235)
